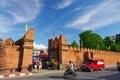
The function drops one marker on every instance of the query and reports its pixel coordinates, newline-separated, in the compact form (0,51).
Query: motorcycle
(68,73)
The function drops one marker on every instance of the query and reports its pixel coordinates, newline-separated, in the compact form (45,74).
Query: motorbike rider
(71,67)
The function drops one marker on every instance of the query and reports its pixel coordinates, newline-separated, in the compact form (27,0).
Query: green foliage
(88,39)
(42,52)
(115,47)
(107,41)
(74,44)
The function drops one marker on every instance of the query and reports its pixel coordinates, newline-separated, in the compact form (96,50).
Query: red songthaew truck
(93,64)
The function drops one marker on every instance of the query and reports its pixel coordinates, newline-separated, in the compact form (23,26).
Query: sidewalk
(33,73)
(20,74)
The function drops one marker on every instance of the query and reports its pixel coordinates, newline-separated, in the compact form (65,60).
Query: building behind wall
(117,38)
(17,56)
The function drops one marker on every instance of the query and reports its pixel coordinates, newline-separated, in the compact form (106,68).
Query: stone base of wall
(26,69)
(8,70)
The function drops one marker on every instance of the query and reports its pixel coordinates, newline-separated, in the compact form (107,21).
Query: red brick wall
(11,56)
(28,49)
(67,53)
(18,55)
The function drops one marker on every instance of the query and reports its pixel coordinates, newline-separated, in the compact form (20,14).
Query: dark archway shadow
(20,60)
(20,57)
(85,57)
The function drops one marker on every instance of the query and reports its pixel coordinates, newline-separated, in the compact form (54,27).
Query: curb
(45,72)
(15,75)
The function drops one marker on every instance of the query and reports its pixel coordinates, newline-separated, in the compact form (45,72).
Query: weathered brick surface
(9,41)
(1,42)
(18,55)
(11,56)
(28,48)
(65,53)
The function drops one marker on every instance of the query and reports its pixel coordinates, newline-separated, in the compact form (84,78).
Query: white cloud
(39,46)
(78,8)
(3,3)
(18,11)
(97,16)
(4,23)
(64,4)
(25,11)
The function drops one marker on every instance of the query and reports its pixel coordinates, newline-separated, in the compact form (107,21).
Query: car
(93,64)
(118,66)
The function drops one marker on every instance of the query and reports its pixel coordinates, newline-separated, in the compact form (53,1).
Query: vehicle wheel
(118,69)
(101,68)
(82,70)
(65,75)
(91,69)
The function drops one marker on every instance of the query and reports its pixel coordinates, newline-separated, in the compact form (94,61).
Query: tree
(88,39)
(42,52)
(108,43)
(74,44)
(111,45)
(115,47)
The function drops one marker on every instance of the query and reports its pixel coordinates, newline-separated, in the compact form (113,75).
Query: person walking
(39,63)
(35,66)
(55,65)
(47,64)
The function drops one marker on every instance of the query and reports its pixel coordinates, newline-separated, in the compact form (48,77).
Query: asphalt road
(107,74)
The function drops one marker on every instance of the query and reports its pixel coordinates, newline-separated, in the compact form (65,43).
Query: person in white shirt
(39,64)
(47,64)
(71,67)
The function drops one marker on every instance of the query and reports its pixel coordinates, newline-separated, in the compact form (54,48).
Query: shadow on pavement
(115,76)
(61,77)
(111,69)
(58,77)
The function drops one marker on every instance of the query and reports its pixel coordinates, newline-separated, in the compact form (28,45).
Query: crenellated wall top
(60,38)
(54,42)
(9,41)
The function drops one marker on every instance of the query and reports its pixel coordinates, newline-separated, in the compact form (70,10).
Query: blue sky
(68,17)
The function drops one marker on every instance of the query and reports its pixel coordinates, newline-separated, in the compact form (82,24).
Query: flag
(109,48)
(26,27)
